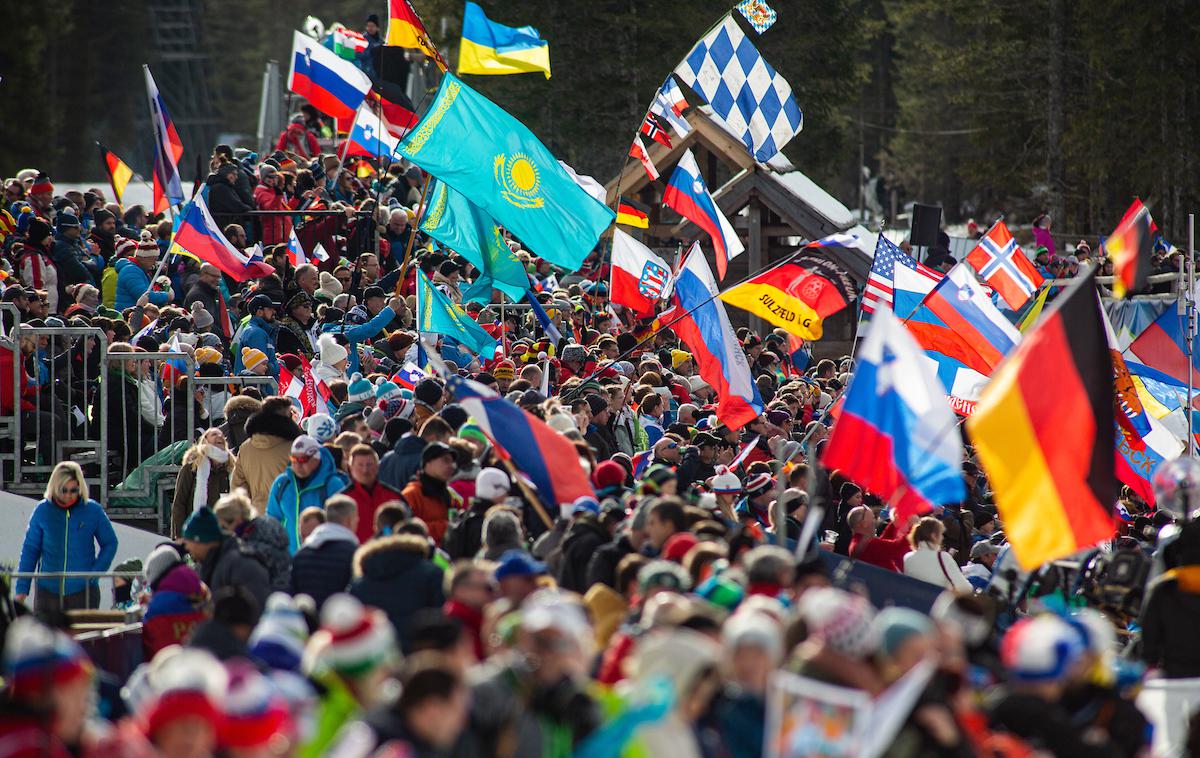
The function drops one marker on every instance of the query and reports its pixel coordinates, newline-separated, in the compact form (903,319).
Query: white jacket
(923,563)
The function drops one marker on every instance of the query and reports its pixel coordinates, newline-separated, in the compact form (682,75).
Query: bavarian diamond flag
(481,151)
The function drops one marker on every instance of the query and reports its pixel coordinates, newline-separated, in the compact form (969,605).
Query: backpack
(456,541)
(108,286)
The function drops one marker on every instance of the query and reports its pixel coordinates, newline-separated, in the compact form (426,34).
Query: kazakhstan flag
(460,225)
(436,314)
(495,162)
(491,48)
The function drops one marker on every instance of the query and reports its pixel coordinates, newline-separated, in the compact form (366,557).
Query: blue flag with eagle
(437,314)
(475,147)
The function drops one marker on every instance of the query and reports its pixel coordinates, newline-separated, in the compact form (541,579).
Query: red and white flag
(640,279)
(1005,267)
(638,150)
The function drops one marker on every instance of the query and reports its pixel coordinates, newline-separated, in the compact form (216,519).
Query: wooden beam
(755,250)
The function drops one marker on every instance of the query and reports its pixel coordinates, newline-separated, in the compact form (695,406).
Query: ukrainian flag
(491,48)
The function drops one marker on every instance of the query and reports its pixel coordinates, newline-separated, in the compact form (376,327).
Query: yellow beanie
(208,355)
(678,357)
(251,357)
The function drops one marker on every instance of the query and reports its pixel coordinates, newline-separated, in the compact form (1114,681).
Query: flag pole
(412,237)
(1191,329)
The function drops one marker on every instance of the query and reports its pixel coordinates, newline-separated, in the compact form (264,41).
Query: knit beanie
(385,390)
(758,484)
(679,357)
(574,353)
(37,231)
(208,356)
(321,427)
(608,474)
(842,620)
(753,629)
(359,390)
(504,370)
(200,316)
(161,560)
(179,683)
(38,659)
(353,640)
(726,482)
(428,391)
(66,219)
(894,626)
(473,432)
(252,356)
(279,637)
(329,287)
(255,712)
(331,351)
(396,407)
(492,484)
(202,527)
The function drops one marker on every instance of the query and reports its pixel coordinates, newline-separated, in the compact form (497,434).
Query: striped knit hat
(840,619)
(38,659)
(255,711)
(353,640)
(279,638)
(179,682)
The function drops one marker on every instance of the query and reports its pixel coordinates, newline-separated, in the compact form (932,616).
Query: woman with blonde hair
(203,477)
(67,532)
(928,562)
(262,535)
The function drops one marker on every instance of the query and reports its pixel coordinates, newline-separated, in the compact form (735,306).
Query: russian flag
(1163,346)
(688,195)
(334,86)
(199,237)
(895,434)
(369,135)
(545,456)
(168,149)
(710,337)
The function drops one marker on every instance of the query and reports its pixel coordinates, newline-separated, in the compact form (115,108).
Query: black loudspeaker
(926,222)
(393,65)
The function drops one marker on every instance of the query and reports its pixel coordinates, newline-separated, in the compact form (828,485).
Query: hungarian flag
(796,296)
(347,42)
(639,277)
(119,172)
(1130,247)
(1055,483)
(405,29)
(630,213)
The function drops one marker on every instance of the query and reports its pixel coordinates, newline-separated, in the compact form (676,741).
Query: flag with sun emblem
(494,161)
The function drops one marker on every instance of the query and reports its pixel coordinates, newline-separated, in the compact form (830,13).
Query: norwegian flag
(638,150)
(653,128)
(1001,262)
(882,279)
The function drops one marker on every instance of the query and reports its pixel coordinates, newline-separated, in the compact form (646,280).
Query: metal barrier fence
(107,599)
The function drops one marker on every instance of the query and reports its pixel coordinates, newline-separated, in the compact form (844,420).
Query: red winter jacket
(275,229)
(369,501)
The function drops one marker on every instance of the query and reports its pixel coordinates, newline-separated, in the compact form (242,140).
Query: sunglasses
(301,458)
(70,491)
(672,445)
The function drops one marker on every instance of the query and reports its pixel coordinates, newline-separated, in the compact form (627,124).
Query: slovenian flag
(295,251)
(333,86)
(369,135)
(408,376)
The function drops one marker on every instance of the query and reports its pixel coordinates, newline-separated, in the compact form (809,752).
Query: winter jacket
(368,501)
(289,496)
(260,335)
(360,333)
(929,564)
(397,467)
(237,413)
(275,229)
(602,568)
(233,564)
(464,535)
(325,565)
(602,441)
(296,138)
(692,469)
(37,270)
(432,501)
(264,455)
(132,283)
(209,297)
(69,256)
(66,539)
(384,566)
(1168,622)
(226,205)
(265,536)
(583,539)
(185,488)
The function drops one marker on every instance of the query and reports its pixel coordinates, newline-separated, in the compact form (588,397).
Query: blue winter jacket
(132,283)
(356,334)
(65,539)
(261,335)
(289,496)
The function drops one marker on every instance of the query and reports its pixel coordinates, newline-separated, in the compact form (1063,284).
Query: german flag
(1130,247)
(1055,482)
(406,30)
(630,213)
(797,295)
(119,172)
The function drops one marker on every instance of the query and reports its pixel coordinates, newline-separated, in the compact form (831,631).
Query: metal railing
(107,600)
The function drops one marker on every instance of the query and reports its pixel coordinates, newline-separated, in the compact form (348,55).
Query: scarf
(209,454)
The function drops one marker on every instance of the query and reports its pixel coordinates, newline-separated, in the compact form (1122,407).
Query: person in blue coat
(259,333)
(67,532)
(133,278)
(310,480)
(373,298)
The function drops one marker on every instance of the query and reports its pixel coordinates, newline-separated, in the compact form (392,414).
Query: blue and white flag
(754,102)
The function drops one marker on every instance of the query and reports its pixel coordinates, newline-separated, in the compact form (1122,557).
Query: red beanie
(678,545)
(608,474)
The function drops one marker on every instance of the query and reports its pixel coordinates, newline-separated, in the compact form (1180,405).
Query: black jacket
(1169,619)
(207,296)
(394,575)
(583,539)
(224,202)
(233,564)
(602,568)
(692,469)
(464,536)
(238,411)
(129,435)
(325,564)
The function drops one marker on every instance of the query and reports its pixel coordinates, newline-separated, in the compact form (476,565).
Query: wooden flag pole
(412,236)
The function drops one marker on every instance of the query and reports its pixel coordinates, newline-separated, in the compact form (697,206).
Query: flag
(398,112)
(369,136)
(437,314)
(1130,247)
(639,277)
(543,319)
(960,303)
(549,284)
(145,331)
(655,129)
(1034,311)
(895,434)
(760,15)
(347,43)
(878,292)
(1163,346)
(630,213)
(798,354)
(704,326)
(669,105)
(319,253)
(408,376)
(333,86)
(548,458)
(290,385)
(406,30)
(587,183)
(174,368)
(199,237)
(1005,267)
(223,316)
(491,48)
(637,149)
(119,172)
(797,295)
(168,149)
(641,462)
(754,102)
(466,229)
(690,198)
(1043,433)
(295,251)
(499,165)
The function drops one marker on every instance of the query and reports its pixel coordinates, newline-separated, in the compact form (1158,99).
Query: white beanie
(331,351)
(321,427)
(161,560)
(492,484)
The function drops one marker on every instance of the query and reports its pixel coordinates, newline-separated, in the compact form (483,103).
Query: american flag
(881,281)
